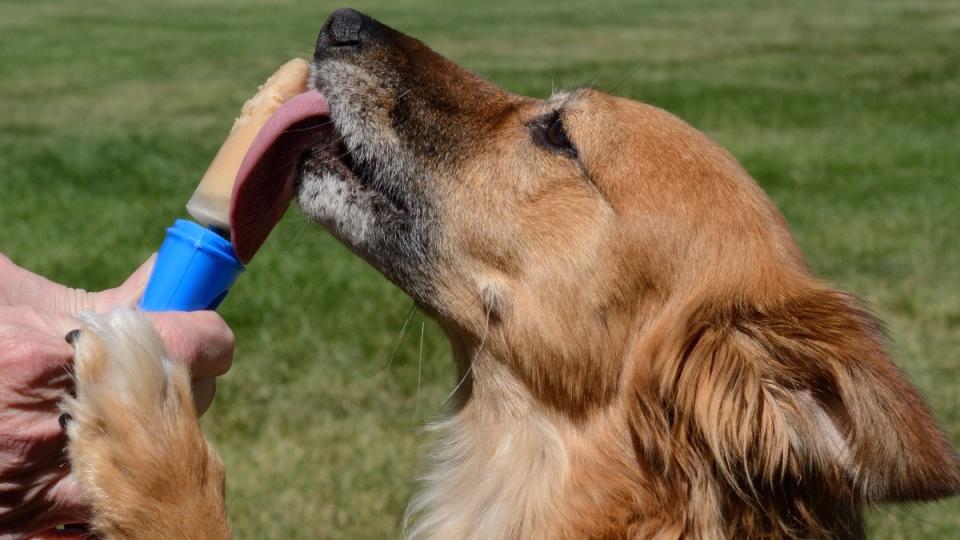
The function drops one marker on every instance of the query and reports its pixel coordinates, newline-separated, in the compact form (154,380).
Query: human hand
(35,491)
(35,315)
(201,339)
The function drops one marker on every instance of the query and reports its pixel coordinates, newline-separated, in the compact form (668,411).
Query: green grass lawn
(847,113)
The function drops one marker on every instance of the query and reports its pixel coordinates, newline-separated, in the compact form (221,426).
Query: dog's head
(607,253)
(540,220)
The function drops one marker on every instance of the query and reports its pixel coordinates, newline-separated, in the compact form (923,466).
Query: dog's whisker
(290,52)
(330,144)
(404,93)
(300,234)
(483,340)
(398,339)
(416,407)
(295,219)
(459,384)
(335,158)
(556,78)
(626,77)
(309,128)
(297,237)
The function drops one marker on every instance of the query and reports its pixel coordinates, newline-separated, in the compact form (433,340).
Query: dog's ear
(799,389)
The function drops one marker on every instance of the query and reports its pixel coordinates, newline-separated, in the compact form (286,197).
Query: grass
(845,112)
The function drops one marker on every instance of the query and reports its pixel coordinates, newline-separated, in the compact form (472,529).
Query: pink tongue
(264,186)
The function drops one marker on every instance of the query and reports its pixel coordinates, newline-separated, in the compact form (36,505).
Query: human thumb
(129,293)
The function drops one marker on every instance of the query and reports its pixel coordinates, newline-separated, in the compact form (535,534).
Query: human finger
(201,339)
(204,389)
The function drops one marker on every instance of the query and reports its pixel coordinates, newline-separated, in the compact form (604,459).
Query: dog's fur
(641,349)
(135,444)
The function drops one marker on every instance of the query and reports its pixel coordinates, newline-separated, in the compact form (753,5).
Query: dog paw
(135,444)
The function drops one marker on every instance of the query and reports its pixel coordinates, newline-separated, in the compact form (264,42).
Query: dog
(641,350)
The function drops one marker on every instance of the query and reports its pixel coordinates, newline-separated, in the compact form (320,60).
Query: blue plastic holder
(195,269)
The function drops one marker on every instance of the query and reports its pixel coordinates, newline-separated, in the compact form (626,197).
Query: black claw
(64,420)
(72,336)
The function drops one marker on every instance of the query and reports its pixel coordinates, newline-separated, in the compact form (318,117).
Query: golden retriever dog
(641,350)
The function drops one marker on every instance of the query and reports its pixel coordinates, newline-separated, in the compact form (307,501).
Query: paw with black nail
(72,336)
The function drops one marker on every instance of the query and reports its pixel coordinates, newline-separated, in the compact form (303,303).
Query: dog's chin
(359,205)
(347,199)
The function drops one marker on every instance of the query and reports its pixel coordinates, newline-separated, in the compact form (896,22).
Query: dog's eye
(551,133)
(556,135)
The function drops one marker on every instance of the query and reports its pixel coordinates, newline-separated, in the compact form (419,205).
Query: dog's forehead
(558,97)
(564,98)
(575,102)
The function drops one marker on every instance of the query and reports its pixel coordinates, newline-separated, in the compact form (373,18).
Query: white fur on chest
(491,474)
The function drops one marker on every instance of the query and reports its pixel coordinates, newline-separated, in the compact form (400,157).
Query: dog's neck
(503,461)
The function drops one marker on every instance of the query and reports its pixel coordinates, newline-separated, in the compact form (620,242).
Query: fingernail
(64,420)
(72,336)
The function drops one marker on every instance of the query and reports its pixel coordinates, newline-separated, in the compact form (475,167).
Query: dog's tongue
(264,185)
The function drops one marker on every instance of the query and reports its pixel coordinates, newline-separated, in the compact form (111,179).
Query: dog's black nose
(345,27)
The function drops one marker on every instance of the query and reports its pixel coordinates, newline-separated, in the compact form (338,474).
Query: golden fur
(135,444)
(642,351)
